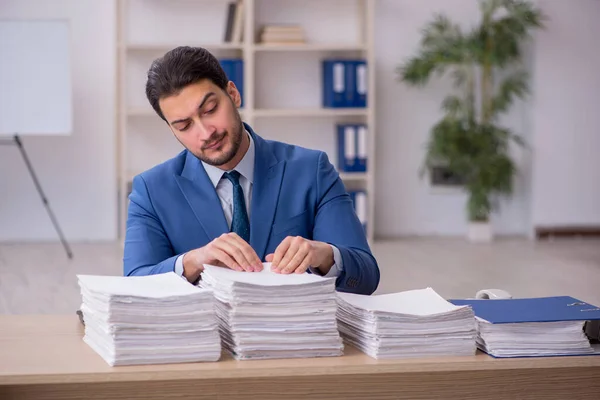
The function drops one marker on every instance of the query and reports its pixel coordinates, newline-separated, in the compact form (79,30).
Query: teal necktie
(239,223)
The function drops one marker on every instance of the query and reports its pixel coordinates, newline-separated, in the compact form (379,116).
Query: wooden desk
(43,357)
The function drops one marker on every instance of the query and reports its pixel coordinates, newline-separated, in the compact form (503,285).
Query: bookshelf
(282,82)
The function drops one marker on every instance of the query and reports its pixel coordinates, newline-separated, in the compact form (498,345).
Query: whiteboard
(35,77)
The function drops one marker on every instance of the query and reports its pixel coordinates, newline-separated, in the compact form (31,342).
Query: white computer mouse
(493,294)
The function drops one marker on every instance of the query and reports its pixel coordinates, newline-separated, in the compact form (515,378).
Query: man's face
(205,120)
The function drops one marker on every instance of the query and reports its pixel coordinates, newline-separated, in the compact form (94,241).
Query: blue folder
(352,155)
(234,69)
(334,83)
(352,194)
(542,309)
(357,83)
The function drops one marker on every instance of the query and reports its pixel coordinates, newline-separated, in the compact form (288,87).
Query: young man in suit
(232,198)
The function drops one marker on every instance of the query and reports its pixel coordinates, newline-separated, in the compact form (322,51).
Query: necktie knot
(234,177)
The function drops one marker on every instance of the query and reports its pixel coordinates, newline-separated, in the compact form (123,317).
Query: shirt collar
(245,167)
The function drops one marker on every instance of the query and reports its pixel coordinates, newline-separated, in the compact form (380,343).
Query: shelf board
(147,111)
(354,176)
(310,112)
(308,47)
(167,47)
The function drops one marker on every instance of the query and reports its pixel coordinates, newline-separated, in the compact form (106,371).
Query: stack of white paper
(153,319)
(414,323)
(533,338)
(533,327)
(267,315)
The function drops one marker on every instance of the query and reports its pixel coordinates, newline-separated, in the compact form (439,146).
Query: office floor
(38,278)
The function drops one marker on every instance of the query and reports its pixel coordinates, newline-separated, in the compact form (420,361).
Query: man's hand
(296,254)
(228,250)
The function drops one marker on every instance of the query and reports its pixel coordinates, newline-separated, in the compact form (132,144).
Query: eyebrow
(204,100)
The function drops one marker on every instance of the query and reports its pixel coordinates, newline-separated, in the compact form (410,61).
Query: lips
(214,144)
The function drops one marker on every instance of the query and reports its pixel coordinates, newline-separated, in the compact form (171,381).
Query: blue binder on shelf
(344,83)
(352,147)
(542,309)
(359,201)
(357,78)
(334,83)
(234,69)
(360,83)
(346,139)
(361,148)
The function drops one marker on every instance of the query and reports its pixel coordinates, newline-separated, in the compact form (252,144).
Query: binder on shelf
(352,147)
(346,148)
(360,81)
(344,83)
(234,69)
(361,148)
(334,83)
(359,199)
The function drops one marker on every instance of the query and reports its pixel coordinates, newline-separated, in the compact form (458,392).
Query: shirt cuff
(179,266)
(335,268)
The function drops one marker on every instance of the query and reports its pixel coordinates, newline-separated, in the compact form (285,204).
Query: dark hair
(179,68)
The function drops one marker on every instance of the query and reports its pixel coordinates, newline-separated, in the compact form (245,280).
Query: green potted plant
(468,140)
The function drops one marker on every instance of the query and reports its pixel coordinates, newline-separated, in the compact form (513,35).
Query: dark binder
(541,309)
(234,69)
(334,83)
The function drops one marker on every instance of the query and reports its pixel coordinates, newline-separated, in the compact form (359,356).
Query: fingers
(223,258)
(247,250)
(296,258)
(269,257)
(305,264)
(280,251)
(240,251)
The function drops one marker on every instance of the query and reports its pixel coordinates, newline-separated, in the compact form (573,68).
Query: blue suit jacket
(174,208)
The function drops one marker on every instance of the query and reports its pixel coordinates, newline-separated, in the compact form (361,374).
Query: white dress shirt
(224,190)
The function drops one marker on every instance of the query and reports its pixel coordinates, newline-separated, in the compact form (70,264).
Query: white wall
(566,116)
(76,172)
(406,204)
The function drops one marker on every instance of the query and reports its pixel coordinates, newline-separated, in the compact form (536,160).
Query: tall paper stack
(415,323)
(267,315)
(153,319)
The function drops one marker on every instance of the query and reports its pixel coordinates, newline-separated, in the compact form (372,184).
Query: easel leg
(44,199)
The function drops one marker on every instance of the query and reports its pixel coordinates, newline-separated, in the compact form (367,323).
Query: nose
(204,131)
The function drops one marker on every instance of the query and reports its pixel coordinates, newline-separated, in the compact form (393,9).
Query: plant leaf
(513,86)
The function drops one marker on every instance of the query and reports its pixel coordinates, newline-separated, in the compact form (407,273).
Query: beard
(236,141)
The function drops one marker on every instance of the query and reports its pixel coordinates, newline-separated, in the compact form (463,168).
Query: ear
(234,93)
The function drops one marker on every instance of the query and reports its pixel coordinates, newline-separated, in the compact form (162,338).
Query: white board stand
(36,94)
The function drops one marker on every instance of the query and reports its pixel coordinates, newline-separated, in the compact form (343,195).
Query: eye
(211,110)
(185,128)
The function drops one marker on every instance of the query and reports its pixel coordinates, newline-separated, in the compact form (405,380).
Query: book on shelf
(352,147)
(234,24)
(344,83)
(282,35)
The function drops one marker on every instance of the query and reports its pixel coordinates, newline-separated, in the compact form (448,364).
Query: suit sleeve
(336,223)
(148,250)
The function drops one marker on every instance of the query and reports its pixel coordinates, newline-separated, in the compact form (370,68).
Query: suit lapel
(202,197)
(268,174)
